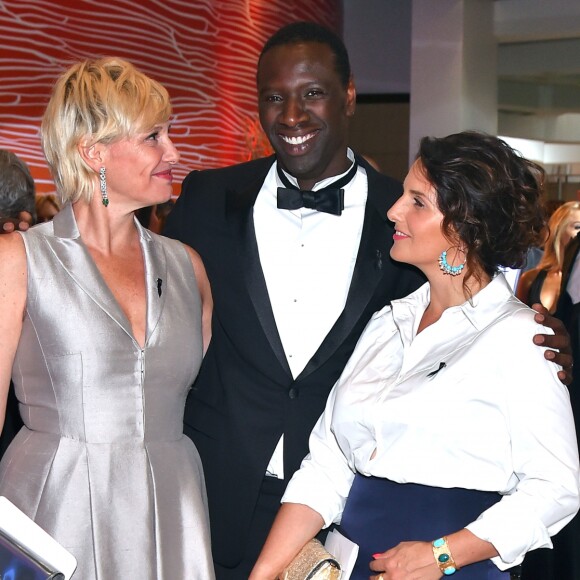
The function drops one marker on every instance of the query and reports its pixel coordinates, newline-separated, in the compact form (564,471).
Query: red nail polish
(375,556)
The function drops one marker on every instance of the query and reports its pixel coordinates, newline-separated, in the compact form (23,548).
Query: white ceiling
(538,67)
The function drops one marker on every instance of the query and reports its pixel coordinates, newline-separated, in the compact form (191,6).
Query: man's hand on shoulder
(21,223)
(558,344)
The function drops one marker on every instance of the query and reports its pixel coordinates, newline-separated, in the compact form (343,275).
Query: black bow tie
(329,199)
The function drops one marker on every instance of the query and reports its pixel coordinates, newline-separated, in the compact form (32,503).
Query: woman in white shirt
(448,443)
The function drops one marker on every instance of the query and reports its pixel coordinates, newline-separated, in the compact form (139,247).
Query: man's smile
(298,140)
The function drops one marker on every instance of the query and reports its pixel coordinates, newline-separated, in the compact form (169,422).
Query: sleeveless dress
(101,462)
(536,287)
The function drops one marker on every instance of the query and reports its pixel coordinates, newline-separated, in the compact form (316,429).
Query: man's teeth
(297,140)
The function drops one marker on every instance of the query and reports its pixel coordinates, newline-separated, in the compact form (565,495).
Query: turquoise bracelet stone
(443,556)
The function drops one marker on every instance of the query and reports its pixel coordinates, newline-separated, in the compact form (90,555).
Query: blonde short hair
(96,101)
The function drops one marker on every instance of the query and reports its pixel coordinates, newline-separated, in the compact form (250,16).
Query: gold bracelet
(443,556)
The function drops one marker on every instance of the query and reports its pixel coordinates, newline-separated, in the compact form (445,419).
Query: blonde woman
(541,285)
(102,327)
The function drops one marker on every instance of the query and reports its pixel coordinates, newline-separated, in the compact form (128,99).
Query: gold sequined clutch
(313,562)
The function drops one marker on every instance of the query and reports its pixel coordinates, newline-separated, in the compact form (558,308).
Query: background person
(293,288)
(16,193)
(542,283)
(47,206)
(162,211)
(154,217)
(432,433)
(103,326)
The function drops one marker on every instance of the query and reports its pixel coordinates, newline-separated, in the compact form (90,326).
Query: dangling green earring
(103,179)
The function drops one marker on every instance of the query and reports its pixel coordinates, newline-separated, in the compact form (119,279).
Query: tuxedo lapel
(239,215)
(368,271)
(367,274)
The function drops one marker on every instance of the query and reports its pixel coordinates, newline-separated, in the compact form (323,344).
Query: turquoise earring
(447,268)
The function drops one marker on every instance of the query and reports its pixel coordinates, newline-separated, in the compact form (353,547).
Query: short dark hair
(17,191)
(488,194)
(298,32)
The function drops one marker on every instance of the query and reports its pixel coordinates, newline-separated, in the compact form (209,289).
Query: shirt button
(293,392)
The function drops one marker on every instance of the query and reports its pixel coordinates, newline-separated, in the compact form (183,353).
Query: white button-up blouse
(494,417)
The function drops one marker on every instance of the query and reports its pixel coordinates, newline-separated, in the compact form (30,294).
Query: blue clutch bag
(18,564)
(27,552)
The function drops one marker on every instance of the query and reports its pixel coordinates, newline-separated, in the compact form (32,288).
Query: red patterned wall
(203,51)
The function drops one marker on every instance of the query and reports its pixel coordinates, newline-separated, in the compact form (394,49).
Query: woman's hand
(406,561)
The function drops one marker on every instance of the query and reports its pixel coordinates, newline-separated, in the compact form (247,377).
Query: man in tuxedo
(295,278)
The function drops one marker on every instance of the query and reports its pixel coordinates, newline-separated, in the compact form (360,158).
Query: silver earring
(447,268)
(103,179)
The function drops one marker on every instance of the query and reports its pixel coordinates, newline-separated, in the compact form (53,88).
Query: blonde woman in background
(542,283)
(102,327)
(47,206)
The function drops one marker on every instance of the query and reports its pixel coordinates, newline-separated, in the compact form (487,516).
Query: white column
(453,69)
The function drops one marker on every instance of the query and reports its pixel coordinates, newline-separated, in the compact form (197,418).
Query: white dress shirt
(494,418)
(308,258)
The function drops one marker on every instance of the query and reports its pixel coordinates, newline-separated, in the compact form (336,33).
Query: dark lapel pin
(433,373)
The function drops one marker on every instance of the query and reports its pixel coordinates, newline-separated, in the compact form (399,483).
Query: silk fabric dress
(101,462)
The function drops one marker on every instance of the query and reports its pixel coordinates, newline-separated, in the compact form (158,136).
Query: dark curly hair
(300,32)
(490,196)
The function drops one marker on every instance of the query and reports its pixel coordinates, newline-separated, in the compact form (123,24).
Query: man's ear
(350,97)
(92,154)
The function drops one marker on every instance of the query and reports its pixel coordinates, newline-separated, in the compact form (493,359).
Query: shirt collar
(328,180)
(485,307)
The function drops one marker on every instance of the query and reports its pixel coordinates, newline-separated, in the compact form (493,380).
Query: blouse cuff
(320,498)
(512,539)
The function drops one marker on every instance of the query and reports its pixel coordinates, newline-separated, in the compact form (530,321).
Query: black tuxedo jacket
(569,313)
(245,398)
(565,303)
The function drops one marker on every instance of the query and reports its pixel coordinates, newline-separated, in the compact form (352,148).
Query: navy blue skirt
(379,514)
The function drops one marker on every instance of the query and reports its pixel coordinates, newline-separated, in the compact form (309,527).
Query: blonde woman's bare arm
(13,280)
